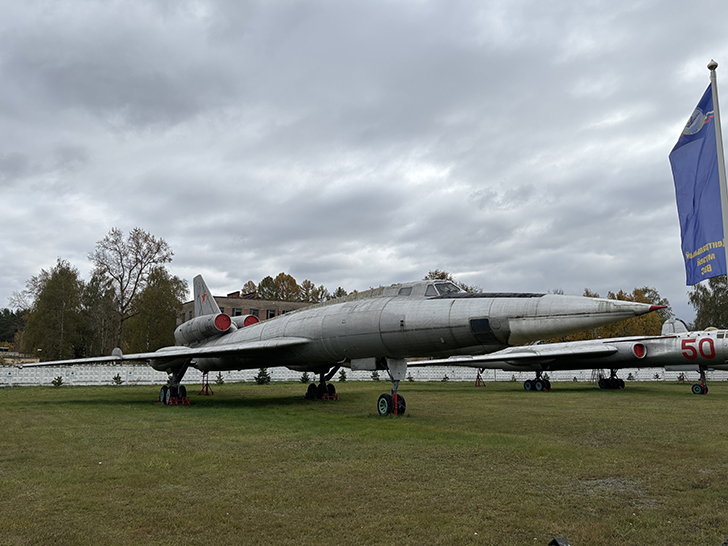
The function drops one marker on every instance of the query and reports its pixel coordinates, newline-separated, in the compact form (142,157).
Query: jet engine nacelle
(203,327)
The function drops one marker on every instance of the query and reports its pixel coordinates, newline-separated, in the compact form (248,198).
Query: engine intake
(200,328)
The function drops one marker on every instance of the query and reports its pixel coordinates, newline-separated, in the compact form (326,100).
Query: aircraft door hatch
(490,331)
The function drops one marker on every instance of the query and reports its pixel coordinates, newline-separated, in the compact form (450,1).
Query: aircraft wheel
(705,389)
(621,383)
(546,385)
(320,390)
(528,385)
(697,388)
(385,404)
(330,389)
(311,392)
(164,395)
(401,404)
(538,385)
(182,391)
(602,383)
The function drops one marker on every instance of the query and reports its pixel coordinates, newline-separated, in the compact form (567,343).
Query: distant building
(236,305)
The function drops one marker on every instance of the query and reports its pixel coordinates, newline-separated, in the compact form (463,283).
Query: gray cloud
(519,145)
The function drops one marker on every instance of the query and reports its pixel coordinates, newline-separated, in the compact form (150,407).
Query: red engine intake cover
(222,322)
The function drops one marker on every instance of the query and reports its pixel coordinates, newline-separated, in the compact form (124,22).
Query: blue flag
(694,161)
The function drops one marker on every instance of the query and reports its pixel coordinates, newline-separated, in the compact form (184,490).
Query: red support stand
(479,381)
(206,390)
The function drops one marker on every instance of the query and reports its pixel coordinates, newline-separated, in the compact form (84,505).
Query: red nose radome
(657,307)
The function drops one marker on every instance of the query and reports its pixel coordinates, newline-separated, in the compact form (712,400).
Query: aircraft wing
(526,355)
(248,348)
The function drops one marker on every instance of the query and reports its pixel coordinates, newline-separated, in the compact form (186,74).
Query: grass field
(466,465)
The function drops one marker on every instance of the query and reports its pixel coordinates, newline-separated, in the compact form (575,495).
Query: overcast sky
(521,145)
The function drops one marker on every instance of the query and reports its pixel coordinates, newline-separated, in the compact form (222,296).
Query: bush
(445,379)
(117,380)
(58,381)
(305,378)
(630,377)
(409,377)
(342,376)
(219,379)
(263,377)
(375,375)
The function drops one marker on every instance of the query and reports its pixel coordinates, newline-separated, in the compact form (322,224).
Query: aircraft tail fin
(205,304)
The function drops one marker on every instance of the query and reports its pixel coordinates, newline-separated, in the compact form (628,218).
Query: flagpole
(712,65)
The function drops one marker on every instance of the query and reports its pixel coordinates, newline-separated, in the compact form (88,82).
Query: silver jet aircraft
(373,330)
(676,349)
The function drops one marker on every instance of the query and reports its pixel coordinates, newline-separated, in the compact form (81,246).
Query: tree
(101,317)
(307,290)
(127,262)
(339,293)
(249,288)
(710,301)
(11,322)
(267,289)
(55,321)
(287,287)
(154,312)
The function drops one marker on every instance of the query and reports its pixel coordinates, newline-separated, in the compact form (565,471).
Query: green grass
(261,465)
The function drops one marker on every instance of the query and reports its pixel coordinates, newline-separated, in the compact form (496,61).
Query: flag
(694,161)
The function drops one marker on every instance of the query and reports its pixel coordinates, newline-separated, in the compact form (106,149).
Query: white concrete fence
(95,374)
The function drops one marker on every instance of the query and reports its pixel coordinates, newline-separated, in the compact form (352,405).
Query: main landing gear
(702,387)
(538,384)
(613,382)
(175,394)
(323,391)
(393,403)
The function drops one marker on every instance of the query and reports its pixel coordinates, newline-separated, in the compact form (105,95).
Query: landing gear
(538,384)
(324,390)
(393,403)
(175,394)
(613,382)
(702,387)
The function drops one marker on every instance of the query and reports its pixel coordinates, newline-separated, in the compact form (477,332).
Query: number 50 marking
(691,353)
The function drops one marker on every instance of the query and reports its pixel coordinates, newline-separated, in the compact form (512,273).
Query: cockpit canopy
(422,289)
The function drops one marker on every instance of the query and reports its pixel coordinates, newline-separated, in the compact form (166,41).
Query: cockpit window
(430,291)
(406,291)
(446,288)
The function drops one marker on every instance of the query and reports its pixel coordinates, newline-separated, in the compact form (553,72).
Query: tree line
(131,302)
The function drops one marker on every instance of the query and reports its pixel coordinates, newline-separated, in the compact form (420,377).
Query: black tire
(621,383)
(697,388)
(546,385)
(602,383)
(538,385)
(320,390)
(165,395)
(311,392)
(330,389)
(182,391)
(174,392)
(528,385)
(385,404)
(401,404)
(705,389)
